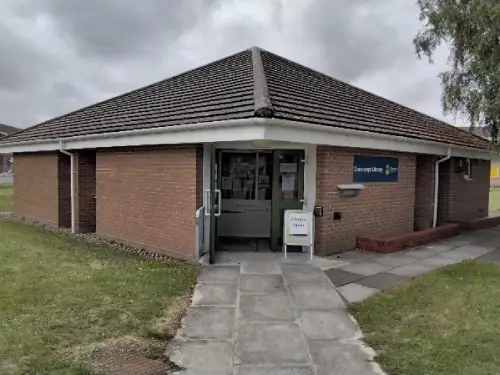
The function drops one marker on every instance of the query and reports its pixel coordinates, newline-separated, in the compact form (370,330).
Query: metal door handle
(219,202)
(207,203)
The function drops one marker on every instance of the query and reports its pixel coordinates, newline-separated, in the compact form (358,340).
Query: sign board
(298,229)
(375,169)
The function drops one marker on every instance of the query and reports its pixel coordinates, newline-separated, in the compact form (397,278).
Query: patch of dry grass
(61,298)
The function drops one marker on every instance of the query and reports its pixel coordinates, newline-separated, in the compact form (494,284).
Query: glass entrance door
(288,190)
(246,192)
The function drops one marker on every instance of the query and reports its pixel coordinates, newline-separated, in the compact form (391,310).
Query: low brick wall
(483,223)
(405,241)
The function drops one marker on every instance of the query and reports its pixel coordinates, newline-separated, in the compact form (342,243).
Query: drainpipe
(436,187)
(73,188)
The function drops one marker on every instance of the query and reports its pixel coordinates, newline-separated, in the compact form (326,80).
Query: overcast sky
(59,55)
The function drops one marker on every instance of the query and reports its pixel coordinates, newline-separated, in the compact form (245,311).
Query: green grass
(445,322)
(5,198)
(495,200)
(59,296)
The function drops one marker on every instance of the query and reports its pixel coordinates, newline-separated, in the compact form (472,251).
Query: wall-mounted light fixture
(349,190)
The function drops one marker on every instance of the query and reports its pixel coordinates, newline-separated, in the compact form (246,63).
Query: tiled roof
(252,83)
(7,129)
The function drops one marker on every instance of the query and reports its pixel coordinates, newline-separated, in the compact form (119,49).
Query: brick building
(6,159)
(246,138)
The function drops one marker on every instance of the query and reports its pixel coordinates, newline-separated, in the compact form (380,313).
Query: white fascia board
(293,131)
(249,130)
(232,130)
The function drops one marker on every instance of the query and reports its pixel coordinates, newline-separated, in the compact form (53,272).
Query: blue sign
(375,169)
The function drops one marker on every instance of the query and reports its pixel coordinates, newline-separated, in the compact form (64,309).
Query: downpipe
(436,187)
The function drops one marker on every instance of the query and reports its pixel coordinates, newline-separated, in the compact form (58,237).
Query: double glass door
(250,190)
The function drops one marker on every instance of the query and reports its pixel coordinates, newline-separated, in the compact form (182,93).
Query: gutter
(73,187)
(266,125)
(436,187)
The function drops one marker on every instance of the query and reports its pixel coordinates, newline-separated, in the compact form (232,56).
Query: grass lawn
(445,322)
(5,198)
(60,297)
(495,200)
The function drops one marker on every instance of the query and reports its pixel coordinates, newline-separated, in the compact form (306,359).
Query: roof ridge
(262,100)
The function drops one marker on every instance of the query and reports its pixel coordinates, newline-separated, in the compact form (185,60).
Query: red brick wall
(461,199)
(85,180)
(41,187)
(424,191)
(380,209)
(147,197)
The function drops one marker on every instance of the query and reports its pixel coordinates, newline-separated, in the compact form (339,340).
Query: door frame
(309,169)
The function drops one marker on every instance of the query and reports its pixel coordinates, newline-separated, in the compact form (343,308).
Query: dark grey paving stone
(340,277)
(261,283)
(219,274)
(354,256)
(382,281)
(215,294)
(275,344)
(493,256)
(208,323)
(273,307)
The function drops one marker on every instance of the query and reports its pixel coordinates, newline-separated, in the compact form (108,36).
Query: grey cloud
(94,49)
(114,29)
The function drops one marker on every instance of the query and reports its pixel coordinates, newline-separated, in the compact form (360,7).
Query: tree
(471,28)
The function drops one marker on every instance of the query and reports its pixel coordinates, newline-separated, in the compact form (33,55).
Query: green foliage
(471,88)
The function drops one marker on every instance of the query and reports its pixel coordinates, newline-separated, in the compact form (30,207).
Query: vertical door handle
(207,203)
(219,202)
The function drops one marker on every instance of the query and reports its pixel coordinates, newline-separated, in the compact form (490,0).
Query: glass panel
(288,172)
(265,176)
(238,175)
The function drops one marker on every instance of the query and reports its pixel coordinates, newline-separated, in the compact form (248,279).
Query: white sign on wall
(298,230)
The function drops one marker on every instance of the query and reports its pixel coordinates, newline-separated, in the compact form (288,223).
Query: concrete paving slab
(326,325)
(208,323)
(410,270)
(492,243)
(196,355)
(493,256)
(219,274)
(466,252)
(393,260)
(215,294)
(272,370)
(366,268)
(382,281)
(438,247)
(420,253)
(302,274)
(340,277)
(326,264)
(354,256)
(457,241)
(436,262)
(316,296)
(261,283)
(260,267)
(333,357)
(274,307)
(355,292)
(271,344)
